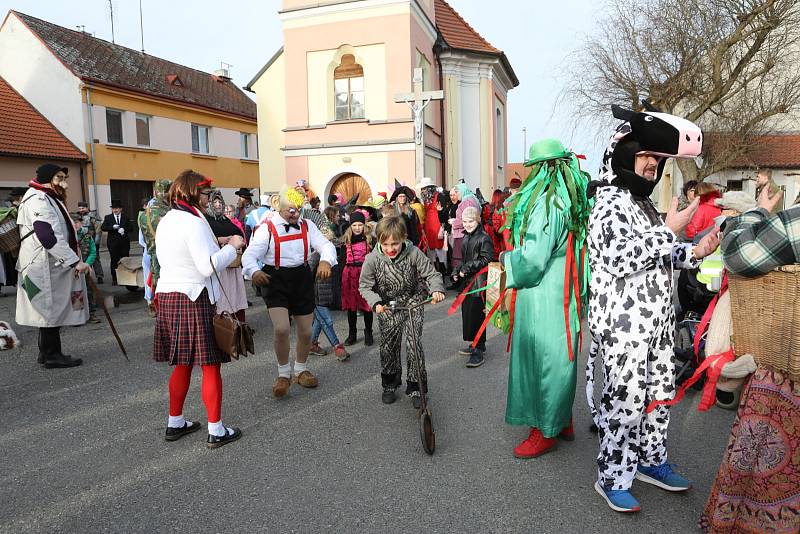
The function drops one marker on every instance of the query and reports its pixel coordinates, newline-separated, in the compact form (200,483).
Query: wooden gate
(350,184)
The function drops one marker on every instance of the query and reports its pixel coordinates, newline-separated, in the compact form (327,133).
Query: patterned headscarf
(216,213)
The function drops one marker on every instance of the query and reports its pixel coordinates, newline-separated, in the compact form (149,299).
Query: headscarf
(465,192)
(216,213)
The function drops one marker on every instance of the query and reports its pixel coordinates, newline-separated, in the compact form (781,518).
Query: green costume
(547,268)
(148,222)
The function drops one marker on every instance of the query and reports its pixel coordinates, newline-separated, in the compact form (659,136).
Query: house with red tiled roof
(338,104)
(27,140)
(135,117)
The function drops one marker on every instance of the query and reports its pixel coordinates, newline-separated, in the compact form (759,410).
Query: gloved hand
(260,278)
(121,231)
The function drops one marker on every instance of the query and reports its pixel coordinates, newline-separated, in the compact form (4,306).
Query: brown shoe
(281,387)
(307,380)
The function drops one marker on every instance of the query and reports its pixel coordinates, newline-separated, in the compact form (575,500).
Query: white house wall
(35,73)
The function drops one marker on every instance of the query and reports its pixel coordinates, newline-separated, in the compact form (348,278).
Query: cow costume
(632,254)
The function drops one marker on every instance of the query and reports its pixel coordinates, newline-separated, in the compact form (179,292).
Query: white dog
(8,339)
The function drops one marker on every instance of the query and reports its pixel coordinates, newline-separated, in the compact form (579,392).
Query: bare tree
(729,65)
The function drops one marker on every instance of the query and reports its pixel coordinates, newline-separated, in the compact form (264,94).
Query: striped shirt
(754,243)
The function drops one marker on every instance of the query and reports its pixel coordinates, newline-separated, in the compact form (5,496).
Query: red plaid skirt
(184,334)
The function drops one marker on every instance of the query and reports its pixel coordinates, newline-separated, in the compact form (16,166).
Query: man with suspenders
(283,244)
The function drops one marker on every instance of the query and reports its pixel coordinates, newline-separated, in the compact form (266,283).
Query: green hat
(546,149)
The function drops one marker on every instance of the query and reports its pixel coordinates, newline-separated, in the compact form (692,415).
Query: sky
(538,37)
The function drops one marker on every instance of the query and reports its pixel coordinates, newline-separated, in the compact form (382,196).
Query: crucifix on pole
(418,101)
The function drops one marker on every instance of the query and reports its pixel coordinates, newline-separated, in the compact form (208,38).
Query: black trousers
(352,322)
(50,341)
(117,251)
(473,313)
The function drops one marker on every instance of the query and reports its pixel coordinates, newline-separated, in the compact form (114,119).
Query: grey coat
(407,279)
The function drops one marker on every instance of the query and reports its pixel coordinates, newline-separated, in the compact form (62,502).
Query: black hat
(116,203)
(17,191)
(45,173)
(404,190)
(243,192)
(83,204)
(357,216)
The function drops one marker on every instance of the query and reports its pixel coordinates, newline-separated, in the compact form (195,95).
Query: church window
(348,86)
(500,142)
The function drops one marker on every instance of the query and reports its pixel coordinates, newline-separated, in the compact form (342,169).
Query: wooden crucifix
(418,101)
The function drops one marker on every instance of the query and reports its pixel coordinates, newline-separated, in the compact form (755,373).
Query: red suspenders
(281,239)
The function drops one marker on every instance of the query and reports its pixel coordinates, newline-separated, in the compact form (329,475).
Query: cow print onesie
(632,324)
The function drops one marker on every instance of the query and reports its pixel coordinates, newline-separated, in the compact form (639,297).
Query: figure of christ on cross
(418,101)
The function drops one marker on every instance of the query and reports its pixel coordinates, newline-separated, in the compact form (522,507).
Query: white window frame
(199,149)
(121,126)
(148,120)
(244,145)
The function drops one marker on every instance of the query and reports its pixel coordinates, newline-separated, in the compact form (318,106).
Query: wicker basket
(766,318)
(9,235)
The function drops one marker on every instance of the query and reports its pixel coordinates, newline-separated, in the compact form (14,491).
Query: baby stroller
(694,298)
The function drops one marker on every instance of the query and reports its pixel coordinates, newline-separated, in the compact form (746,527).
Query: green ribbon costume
(549,271)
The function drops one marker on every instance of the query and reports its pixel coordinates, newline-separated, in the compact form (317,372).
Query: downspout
(437,48)
(91,152)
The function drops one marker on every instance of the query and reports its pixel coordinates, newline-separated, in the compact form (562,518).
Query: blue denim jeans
(323,321)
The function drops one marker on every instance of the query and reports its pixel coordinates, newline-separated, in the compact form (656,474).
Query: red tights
(211,390)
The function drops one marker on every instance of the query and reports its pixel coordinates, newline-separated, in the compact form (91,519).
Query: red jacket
(705,214)
(432,224)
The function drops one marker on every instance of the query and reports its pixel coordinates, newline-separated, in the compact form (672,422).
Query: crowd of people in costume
(584,260)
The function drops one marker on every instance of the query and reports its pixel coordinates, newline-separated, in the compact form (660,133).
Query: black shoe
(368,341)
(351,340)
(176,433)
(466,351)
(476,360)
(40,359)
(416,399)
(59,361)
(215,442)
(389,395)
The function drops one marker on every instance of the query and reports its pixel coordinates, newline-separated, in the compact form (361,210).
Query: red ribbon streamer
(709,390)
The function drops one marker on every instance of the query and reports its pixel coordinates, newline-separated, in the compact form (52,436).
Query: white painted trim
(471,68)
(348,169)
(424,21)
(351,149)
(315,11)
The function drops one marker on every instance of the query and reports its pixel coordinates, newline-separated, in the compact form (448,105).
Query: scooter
(424,420)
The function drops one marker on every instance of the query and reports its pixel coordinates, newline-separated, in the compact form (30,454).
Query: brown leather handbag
(232,336)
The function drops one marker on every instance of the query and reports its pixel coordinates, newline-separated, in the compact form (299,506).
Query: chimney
(222,75)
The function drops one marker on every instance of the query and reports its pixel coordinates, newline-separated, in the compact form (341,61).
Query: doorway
(132,193)
(351,184)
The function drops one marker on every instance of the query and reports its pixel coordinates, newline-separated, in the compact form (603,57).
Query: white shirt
(185,247)
(262,246)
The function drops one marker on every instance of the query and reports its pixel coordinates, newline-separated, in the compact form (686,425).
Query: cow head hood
(647,132)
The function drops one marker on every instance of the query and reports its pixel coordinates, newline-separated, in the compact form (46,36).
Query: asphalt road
(83,449)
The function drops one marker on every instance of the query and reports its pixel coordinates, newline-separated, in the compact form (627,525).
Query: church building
(364,93)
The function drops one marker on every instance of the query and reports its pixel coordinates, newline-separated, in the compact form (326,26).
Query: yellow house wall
(270,91)
(320,66)
(132,164)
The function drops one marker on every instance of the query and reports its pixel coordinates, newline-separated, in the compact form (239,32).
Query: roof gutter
(91,149)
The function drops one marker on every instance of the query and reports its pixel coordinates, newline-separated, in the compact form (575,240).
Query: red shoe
(535,445)
(568,434)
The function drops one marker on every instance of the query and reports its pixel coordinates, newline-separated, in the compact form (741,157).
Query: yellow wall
(147,106)
(320,66)
(133,164)
(270,91)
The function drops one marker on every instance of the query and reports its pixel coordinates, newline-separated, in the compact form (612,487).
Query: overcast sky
(538,41)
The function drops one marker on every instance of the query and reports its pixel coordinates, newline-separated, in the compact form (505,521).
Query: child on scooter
(392,272)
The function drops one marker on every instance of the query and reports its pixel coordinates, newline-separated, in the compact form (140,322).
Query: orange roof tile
(25,132)
(773,151)
(457,32)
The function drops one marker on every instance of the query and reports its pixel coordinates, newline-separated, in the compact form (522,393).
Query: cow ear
(648,106)
(622,113)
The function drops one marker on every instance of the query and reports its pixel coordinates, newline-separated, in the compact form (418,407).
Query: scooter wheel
(426,433)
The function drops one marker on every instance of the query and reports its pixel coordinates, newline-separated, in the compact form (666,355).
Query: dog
(8,339)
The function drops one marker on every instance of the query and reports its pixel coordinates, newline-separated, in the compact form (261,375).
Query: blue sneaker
(663,477)
(618,500)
